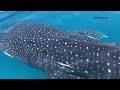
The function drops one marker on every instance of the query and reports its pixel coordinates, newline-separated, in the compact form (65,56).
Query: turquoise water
(104,21)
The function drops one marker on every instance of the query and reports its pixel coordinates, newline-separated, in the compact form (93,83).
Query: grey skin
(61,54)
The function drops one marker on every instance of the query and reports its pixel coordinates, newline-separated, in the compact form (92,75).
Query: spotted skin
(61,54)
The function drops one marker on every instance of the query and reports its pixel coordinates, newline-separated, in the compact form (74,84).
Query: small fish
(62,54)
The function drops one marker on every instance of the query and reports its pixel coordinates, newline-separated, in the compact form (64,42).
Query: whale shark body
(61,54)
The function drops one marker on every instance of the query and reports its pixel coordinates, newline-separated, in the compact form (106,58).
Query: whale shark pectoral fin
(56,74)
(72,73)
(53,71)
(60,74)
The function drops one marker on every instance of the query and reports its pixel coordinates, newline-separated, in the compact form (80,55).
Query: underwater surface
(103,21)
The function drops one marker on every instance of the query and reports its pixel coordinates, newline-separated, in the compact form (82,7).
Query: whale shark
(61,54)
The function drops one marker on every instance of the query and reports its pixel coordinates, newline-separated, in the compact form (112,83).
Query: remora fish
(61,54)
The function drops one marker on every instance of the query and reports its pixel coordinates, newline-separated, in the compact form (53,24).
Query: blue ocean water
(103,21)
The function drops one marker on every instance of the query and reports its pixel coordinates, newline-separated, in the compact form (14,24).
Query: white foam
(105,36)
(92,37)
(8,54)
(64,64)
